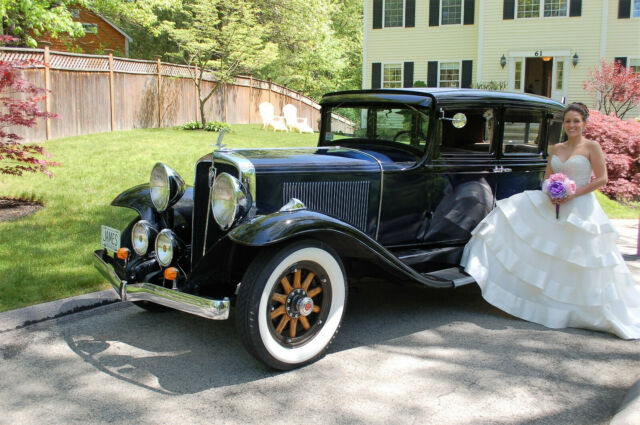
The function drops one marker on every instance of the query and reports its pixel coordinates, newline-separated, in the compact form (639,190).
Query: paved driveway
(405,354)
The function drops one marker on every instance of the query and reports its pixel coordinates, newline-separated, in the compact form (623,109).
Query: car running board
(456,275)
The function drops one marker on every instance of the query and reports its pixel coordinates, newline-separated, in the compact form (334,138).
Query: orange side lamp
(123,253)
(171,273)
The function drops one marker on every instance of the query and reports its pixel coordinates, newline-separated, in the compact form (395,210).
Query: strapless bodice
(577,167)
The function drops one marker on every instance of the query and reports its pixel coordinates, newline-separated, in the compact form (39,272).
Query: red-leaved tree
(620,141)
(616,88)
(19,100)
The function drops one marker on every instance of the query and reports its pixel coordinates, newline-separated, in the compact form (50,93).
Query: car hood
(310,160)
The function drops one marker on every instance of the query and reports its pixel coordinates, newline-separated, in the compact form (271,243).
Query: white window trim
(459,62)
(541,11)
(404,15)
(401,63)
(461,16)
(629,59)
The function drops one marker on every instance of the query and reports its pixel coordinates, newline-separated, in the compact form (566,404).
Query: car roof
(440,95)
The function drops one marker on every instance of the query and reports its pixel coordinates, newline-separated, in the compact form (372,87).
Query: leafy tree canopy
(27,19)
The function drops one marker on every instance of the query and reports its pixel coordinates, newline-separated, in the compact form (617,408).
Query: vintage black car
(399,179)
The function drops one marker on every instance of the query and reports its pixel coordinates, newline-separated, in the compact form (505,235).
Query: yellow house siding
(420,44)
(596,33)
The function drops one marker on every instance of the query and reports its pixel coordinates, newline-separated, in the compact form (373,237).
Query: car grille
(344,200)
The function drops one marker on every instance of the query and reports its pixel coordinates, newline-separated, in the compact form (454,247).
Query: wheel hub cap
(299,304)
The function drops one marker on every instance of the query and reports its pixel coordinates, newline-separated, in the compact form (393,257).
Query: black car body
(398,181)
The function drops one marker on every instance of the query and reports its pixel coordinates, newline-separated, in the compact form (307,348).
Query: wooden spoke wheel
(299,303)
(291,303)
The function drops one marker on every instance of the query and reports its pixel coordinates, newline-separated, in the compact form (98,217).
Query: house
(100,36)
(545,47)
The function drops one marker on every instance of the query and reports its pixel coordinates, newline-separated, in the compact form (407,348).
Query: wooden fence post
(111,94)
(269,90)
(195,91)
(224,99)
(47,87)
(159,94)
(250,102)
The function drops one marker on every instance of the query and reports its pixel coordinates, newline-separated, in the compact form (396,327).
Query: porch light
(546,58)
(575,59)
(503,62)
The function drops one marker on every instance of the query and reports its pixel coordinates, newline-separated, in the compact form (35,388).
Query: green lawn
(48,255)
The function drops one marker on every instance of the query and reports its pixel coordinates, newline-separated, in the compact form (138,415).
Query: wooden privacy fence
(98,93)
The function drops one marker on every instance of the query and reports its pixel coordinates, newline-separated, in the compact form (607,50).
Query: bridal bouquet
(558,186)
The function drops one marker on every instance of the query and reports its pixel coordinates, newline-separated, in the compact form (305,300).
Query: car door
(462,175)
(522,159)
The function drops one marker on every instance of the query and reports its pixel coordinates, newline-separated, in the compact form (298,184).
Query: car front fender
(280,226)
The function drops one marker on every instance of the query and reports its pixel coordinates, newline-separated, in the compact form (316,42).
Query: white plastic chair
(269,119)
(293,122)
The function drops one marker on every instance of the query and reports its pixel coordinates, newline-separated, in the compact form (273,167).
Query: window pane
(521,131)
(559,74)
(475,137)
(451,12)
(406,126)
(636,8)
(517,83)
(392,75)
(449,74)
(634,65)
(393,13)
(528,8)
(555,7)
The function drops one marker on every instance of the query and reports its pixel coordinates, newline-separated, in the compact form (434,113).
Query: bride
(564,272)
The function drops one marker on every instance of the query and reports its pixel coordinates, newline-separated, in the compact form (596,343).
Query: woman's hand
(563,200)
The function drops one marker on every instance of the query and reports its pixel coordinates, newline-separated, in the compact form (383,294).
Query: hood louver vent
(346,200)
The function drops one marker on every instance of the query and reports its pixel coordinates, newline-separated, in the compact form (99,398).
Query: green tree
(223,36)
(27,19)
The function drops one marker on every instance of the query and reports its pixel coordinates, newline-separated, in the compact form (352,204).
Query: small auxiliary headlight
(166,246)
(166,187)
(171,273)
(142,235)
(123,253)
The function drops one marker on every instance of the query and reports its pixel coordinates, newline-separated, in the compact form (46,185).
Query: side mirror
(459,120)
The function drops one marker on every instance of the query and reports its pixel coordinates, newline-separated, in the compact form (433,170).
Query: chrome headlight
(229,200)
(142,234)
(165,186)
(167,245)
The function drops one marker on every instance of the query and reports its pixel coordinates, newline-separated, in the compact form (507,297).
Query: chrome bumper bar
(205,307)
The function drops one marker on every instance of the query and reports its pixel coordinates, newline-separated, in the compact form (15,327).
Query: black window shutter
(410,13)
(377,14)
(624,9)
(376,75)
(467,69)
(434,13)
(469,11)
(508,10)
(432,74)
(621,60)
(575,8)
(408,74)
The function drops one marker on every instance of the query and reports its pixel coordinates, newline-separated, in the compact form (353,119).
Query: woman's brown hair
(578,107)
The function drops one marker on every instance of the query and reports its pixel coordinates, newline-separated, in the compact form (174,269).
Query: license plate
(110,238)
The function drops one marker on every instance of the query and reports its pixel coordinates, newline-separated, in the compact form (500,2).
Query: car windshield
(398,124)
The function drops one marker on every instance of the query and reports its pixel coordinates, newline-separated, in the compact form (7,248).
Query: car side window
(556,131)
(474,138)
(522,131)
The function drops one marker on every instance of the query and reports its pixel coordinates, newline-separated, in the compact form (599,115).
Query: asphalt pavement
(405,354)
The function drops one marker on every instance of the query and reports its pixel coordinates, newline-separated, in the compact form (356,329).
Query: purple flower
(557,190)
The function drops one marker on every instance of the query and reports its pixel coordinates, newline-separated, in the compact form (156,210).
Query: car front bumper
(200,306)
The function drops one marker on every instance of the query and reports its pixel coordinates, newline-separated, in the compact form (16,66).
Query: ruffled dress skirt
(564,272)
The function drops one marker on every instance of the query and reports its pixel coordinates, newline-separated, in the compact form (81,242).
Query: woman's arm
(548,171)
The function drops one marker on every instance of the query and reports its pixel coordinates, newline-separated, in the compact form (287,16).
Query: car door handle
(501,169)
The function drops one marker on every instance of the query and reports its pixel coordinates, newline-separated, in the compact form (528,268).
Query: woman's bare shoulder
(592,145)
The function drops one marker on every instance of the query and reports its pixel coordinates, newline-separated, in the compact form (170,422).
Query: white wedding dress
(564,272)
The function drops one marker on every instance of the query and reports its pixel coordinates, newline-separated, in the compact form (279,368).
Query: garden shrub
(620,141)
(217,126)
(192,125)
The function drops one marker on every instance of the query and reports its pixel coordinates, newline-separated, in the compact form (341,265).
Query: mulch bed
(13,209)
